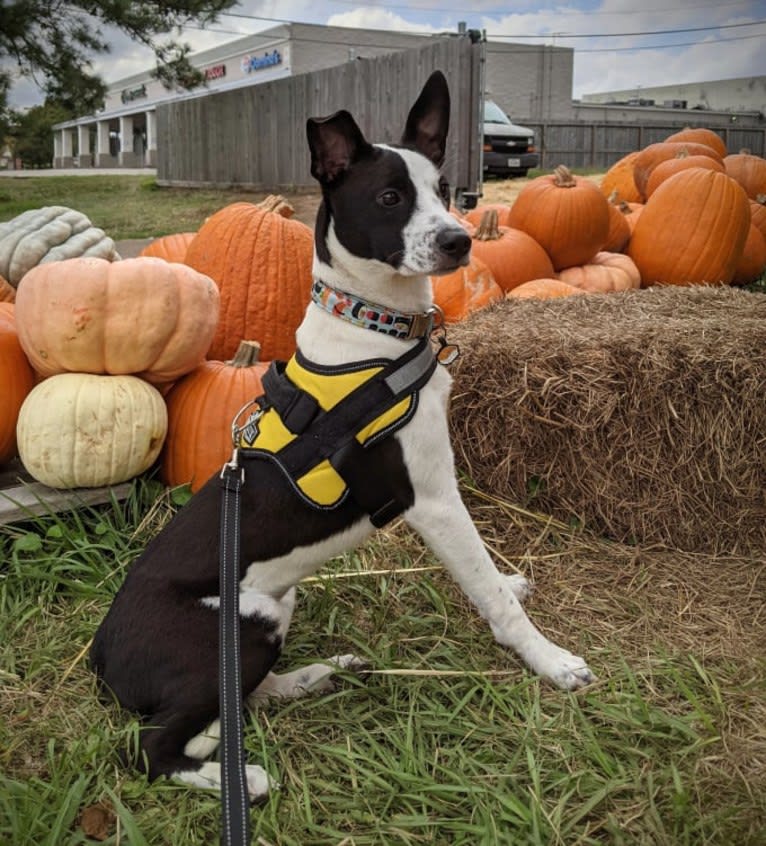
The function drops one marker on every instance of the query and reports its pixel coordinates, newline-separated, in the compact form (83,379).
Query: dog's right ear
(336,142)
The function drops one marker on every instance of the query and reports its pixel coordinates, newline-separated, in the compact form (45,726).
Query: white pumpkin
(78,430)
(51,233)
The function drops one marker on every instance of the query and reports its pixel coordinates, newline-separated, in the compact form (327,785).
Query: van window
(493,113)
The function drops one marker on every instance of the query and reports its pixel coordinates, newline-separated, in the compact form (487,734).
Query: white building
(529,81)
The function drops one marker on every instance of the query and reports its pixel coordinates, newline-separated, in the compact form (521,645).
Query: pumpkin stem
(488,229)
(614,197)
(564,177)
(248,354)
(278,204)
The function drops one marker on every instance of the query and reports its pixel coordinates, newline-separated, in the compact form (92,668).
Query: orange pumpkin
(604,273)
(16,380)
(631,212)
(752,262)
(169,247)
(758,213)
(619,178)
(261,262)
(503,210)
(681,161)
(7,291)
(566,214)
(201,408)
(512,256)
(692,230)
(651,156)
(465,290)
(141,316)
(700,135)
(544,289)
(749,171)
(619,228)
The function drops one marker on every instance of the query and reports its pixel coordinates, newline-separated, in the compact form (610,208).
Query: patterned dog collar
(398,324)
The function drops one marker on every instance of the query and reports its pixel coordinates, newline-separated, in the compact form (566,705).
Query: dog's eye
(389,198)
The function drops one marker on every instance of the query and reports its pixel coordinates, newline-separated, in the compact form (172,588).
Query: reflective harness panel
(318,422)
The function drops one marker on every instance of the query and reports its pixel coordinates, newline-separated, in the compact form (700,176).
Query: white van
(509,149)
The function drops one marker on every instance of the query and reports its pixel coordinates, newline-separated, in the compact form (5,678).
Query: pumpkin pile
(678,212)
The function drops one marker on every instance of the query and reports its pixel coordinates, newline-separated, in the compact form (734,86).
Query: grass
(123,206)
(449,739)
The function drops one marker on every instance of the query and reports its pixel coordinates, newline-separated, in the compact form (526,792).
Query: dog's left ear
(335,142)
(428,120)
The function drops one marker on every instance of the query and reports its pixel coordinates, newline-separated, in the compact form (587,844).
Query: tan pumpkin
(16,380)
(201,408)
(544,289)
(749,171)
(261,263)
(700,135)
(692,230)
(604,273)
(465,290)
(619,178)
(752,262)
(566,214)
(648,158)
(169,247)
(512,256)
(81,430)
(142,315)
(681,161)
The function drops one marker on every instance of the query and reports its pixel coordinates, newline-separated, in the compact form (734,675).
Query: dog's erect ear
(428,120)
(335,142)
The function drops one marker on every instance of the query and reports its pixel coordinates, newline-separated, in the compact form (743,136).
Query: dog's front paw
(259,783)
(566,671)
(352,663)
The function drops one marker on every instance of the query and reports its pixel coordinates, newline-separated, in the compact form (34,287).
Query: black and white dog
(382,229)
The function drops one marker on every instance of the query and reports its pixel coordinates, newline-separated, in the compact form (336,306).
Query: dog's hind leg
(313,678)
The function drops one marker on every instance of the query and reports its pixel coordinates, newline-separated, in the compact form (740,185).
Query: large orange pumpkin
(16,380)
(619,178)
(503,210)
(201,408)
(692,230)
(512,256)
(7,291)
(749,171)
(465,290)
(752,262)
(544,289)
(700,135)
(261,262)
(681,161)
(604,273)
(758,213)
(648,158)
(566,214)
(169,247)
(141,316)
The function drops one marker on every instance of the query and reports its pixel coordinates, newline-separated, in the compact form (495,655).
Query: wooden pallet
(21,497)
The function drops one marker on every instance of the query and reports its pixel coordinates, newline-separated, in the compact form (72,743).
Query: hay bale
(640,414)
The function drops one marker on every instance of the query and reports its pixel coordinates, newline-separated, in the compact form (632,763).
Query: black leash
(235,801)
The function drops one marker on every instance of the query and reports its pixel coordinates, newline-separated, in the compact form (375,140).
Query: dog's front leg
(446,526)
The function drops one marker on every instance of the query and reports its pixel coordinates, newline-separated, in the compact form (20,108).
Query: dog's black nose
(454,243)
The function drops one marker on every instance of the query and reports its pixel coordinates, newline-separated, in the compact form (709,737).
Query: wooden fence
(256,136)
(600,145)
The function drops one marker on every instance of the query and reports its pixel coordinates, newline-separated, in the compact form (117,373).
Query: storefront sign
(130,94)
(256,63)
(216,72)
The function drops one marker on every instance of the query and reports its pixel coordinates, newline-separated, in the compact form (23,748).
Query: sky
(619,44)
